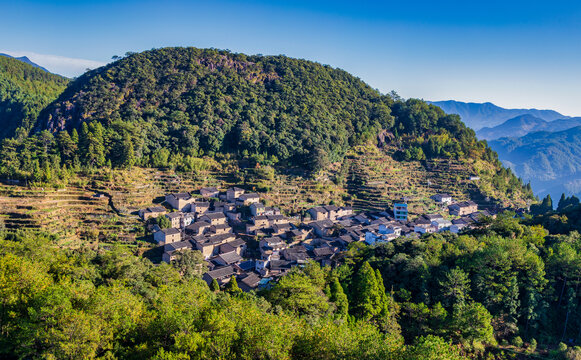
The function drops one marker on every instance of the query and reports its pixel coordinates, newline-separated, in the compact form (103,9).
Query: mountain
(479,115)
(24,91)
(26,60)
(524,124)
(186,108)
(551,161)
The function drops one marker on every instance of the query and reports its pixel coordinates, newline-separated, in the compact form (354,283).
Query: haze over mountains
(525,124)
(479,115)
(540,146)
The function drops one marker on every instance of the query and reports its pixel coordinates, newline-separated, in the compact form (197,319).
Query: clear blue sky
(512,53)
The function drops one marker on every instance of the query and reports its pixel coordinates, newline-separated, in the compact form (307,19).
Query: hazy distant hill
(550,160)
(26,60)
(524,124)
(477,115)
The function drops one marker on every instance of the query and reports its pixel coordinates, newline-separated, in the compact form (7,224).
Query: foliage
(24,91)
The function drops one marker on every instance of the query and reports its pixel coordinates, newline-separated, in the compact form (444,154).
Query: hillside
(550,160)
(525,124)
(479,115)
(319,132)
(24,91)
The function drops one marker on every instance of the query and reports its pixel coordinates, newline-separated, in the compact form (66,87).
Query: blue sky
(512,53)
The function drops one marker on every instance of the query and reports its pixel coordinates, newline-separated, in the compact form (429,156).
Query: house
(221,275)
(297,254)
(220,229)
(433,217)
(230,258)
(233,193)
(323,227)
(152,212)
(463,208)
(175,219)
(260,221)
(332,211)
(344,211)
(214,218)
(238,245)
(271,211)
(169,250)
(200,207)
(197,228)
(209,192)
(247,199)
(281,229)
(423,229)
(257,209)
(277,219)
(188,219)
(318,213)
(441,224)
(167,236)
(233,216)
(474,178)
(443,199)
(249,281)
(210,245)
(297,234)
(400,211)
(179,201)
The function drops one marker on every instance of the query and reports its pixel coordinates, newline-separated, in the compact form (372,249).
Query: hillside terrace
(228,225)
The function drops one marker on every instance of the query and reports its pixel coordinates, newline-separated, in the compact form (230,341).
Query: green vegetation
(24,92)
(179,107)
(439,297)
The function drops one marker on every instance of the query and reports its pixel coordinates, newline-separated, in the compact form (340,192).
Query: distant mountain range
(26,60)
(525,124)
(479,115)
(551,161)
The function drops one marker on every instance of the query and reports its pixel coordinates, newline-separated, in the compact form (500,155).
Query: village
(240,237)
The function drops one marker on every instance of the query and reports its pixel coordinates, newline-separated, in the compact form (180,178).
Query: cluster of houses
(239,236)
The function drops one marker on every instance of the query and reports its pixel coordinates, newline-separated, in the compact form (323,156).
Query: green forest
(24,92)
(505,289)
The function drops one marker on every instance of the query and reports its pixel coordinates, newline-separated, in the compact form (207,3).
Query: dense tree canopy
(24,92)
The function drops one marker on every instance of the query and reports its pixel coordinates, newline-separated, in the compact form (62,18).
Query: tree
(339,298)
(214,285)
(163,222)
(189,263)
(455,288)
(368,300)
(232,286)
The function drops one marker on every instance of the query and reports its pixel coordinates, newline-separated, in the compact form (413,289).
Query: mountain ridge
(525,124)
(26,60)
(479,115)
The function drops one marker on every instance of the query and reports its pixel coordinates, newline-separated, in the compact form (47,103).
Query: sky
(516,54)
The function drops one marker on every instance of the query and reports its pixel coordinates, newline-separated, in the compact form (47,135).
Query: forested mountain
(524,124)
(185,103)
(550,160)
(479,115)
(26,60)
(24,91)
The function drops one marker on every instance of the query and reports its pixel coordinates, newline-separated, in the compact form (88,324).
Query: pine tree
(214,286)
(337,295)
(366,296)
(562,202)
(232,286)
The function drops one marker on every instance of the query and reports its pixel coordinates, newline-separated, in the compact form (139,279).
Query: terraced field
(368,179)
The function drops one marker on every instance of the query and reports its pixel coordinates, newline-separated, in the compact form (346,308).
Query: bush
(517,341)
